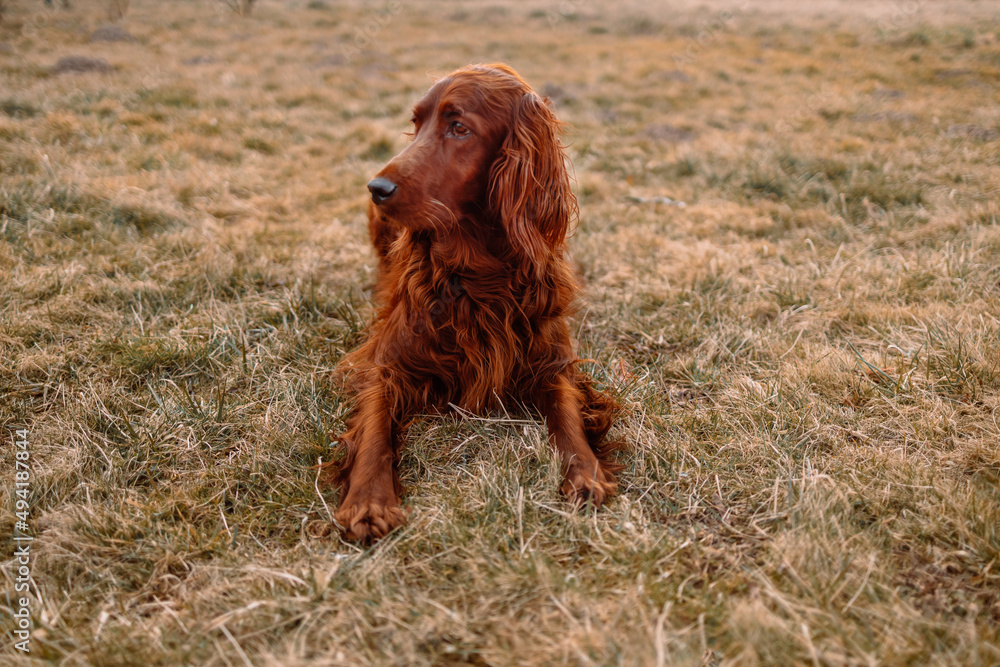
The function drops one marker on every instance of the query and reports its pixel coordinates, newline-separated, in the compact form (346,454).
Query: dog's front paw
(591,485)
(366,517)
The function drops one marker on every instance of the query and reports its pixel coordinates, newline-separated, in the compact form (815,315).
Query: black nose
(381,189)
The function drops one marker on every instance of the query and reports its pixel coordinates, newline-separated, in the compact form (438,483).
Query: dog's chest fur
(471,336)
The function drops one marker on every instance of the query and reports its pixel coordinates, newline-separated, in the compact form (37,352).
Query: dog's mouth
(415,218)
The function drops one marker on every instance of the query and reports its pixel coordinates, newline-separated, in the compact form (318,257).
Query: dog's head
(485,149)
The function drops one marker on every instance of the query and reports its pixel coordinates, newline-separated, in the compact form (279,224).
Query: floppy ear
(529,185)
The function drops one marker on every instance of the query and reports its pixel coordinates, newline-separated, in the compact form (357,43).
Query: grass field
(809,350)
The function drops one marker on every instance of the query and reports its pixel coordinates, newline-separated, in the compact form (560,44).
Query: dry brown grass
(810,349)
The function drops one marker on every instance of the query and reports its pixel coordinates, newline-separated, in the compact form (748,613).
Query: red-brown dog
(469,223)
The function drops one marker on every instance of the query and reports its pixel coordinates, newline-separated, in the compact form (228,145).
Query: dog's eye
(413,133)
(456,129)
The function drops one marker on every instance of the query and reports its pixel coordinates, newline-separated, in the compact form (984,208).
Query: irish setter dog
(469,224)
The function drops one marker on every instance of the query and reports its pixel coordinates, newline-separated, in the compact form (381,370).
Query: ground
(808,350)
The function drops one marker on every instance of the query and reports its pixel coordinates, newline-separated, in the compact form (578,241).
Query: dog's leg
(369,500)
(586,478)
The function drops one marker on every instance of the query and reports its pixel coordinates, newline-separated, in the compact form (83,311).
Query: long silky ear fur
(529,184)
